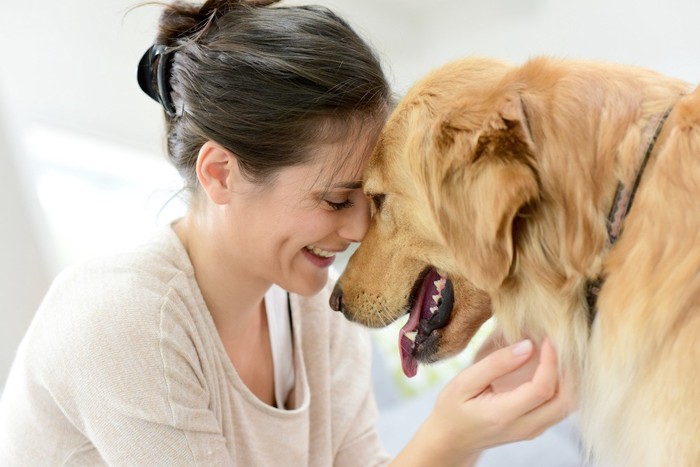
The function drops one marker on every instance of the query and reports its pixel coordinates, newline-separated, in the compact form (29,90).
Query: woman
(213,343)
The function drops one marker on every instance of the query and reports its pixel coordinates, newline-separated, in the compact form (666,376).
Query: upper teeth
(319,252)
(440,284)
(439,287)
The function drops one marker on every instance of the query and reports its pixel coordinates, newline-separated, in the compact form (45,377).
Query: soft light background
(82,169)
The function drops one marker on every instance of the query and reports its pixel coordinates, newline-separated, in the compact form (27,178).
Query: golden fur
(503,177)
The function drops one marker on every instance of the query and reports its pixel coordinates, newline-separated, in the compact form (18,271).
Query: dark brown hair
(264,82)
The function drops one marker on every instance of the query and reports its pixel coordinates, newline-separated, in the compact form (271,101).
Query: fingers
(549,413)
(556,409)
(533,402)
(479,376)
(540,389)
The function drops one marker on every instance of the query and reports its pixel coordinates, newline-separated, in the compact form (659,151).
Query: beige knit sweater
(122,365)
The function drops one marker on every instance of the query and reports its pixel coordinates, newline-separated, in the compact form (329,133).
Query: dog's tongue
(409,364)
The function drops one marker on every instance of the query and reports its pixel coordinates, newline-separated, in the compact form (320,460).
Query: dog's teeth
(433,309)
(436,298)
(439,284)
(411,336)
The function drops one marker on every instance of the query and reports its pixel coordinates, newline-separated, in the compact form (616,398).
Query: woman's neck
(232,295)
(236,303)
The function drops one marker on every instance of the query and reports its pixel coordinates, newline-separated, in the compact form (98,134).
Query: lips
(320,251)
(430,310)
(319,257)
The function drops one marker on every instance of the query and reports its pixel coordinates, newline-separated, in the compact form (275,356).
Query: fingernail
(522,347)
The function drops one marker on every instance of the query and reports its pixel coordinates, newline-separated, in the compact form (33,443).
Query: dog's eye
(378,200)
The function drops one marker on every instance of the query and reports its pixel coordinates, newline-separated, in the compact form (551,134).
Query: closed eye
(342,205)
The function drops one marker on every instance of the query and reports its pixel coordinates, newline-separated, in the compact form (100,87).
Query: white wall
(417,35)
(72,63)
(24,275)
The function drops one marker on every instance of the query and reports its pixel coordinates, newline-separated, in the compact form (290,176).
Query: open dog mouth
(433,299)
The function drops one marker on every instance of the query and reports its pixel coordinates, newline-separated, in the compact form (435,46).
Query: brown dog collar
(624,196)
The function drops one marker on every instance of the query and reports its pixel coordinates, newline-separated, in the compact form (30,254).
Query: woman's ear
(217,172)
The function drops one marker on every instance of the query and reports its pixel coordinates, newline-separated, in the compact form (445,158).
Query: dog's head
(450,174)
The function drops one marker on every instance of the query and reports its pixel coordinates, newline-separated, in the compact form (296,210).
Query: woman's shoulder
(145,272)
(160,256)
(116,297)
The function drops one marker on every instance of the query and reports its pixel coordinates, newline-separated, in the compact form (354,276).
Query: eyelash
(338,206)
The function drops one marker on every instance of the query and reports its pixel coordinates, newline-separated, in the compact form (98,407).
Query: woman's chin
(307,283)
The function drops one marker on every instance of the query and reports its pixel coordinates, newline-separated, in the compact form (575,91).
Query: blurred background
(82,166)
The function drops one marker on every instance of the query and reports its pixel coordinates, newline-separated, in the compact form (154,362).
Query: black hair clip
(145,76)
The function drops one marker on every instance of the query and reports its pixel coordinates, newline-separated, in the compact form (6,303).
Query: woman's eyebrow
(349,185)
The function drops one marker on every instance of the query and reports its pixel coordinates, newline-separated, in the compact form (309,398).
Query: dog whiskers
(381,316)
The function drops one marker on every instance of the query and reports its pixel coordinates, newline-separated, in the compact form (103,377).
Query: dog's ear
(489,177)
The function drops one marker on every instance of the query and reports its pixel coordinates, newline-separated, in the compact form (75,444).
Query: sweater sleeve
(123,368)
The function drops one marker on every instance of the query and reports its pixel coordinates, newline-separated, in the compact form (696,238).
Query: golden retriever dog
(563,197)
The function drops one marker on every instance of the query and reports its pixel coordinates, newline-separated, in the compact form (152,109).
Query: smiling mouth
(319,251)
(431,307)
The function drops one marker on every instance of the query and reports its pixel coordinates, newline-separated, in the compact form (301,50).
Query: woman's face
(289,231)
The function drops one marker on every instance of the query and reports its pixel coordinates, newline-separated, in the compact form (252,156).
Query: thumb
(474,379)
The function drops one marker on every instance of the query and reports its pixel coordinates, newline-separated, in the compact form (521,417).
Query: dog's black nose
(336,300)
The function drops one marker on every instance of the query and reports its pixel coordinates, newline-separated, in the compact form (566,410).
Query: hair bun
(181,19)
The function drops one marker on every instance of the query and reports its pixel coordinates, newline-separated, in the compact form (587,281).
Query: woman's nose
(356,223)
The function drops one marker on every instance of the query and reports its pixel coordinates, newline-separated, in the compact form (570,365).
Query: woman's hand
(497,400)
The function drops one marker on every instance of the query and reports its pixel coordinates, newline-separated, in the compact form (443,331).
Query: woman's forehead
(322,175)
(336,160)
(343,159)
(341,168)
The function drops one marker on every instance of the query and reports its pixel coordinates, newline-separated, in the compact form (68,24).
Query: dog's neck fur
(560,247)
(624,197)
